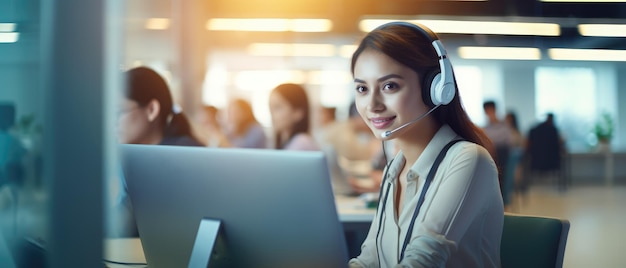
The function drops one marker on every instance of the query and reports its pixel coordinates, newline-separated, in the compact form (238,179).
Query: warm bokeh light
(269,25)
(311,25)
(367,25)
(329,78)
(266,80)
(157,23)
(500,53)
(291,50)
(346,51)
(587,54)
(608,30)
(476,27)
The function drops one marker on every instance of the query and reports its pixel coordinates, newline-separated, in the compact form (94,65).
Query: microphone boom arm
(389,132)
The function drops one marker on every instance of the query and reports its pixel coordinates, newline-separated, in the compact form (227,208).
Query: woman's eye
(360,89)
(390,86)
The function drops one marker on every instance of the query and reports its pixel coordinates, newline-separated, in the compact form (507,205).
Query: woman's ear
(153,109)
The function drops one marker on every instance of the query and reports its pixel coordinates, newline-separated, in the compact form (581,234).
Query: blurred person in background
(327,115)
(500,135)
(355,154)
(514,167)
(511,120)
(212,127)
(147,115)
(326,118)
(545,149)
(12,153)
(290,112)
(243,130)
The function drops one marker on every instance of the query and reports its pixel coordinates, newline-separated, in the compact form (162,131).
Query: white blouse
(460,221)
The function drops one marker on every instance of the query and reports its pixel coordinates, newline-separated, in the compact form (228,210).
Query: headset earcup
(440,92)
(427,83)
(435,90)
(447,93)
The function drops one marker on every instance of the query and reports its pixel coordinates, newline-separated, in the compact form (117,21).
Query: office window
(569,93)
(470,83)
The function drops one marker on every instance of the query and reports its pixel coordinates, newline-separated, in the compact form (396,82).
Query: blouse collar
(422,166)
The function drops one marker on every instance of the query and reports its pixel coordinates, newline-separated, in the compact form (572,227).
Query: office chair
(533,241)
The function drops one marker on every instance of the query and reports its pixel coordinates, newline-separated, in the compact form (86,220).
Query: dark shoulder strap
(440,157)
(420,202)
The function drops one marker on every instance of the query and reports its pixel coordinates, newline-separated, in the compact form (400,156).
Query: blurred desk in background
(596,167)
(352,209)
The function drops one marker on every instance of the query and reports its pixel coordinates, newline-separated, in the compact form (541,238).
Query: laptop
(276,208)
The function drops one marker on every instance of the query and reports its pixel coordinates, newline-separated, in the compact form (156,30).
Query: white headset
(442,87)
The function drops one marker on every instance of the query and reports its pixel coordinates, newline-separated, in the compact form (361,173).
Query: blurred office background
(60,64)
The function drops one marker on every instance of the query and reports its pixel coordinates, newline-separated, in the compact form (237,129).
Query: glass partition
(23,193)
(59,61)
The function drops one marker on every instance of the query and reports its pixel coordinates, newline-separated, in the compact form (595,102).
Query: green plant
(27,126)
(603,128)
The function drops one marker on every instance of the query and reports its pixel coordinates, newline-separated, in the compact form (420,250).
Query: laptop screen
(276,207)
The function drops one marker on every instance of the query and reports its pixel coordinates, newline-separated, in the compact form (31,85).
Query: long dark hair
(144,85)
(298,99)
(412,47)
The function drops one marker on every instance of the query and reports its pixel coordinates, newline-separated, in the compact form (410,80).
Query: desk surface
(129,250)
(353,209)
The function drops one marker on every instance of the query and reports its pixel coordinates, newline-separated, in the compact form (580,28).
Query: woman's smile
(382,122)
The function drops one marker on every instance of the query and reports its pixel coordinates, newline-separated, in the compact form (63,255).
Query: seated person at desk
(372,183)
(243,130)
(211,129)
(401,76)
(289,108)
(147,116)
(355,155)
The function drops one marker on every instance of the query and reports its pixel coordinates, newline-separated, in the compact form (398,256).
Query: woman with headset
(440,202)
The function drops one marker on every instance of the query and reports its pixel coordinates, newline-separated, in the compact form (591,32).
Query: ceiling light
(587,54)
(267,79)
(608,30)
(329,78)
(311,25)
(291,50)
(7,27)
(265,25)
(157,24)
(367,25)
(476,27)
(500,53)
(270,25)
(9,37)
